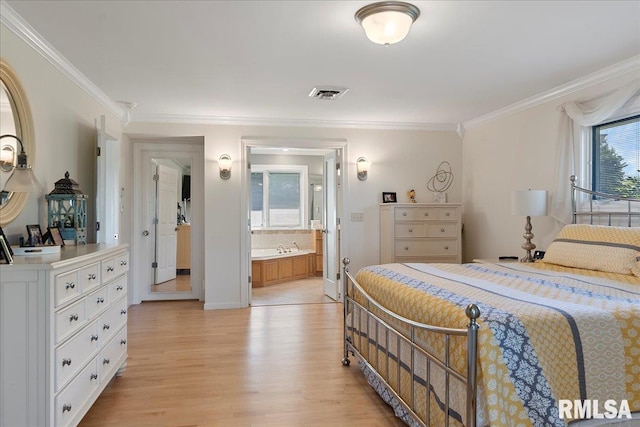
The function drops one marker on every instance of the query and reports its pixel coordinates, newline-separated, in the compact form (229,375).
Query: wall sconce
(363,165)
(22,180)
(7,157)
(224,162)
(528,203)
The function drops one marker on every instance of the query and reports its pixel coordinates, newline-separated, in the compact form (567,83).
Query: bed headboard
(592,207)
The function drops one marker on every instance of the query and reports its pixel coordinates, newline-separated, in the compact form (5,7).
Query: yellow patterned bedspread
(546,333)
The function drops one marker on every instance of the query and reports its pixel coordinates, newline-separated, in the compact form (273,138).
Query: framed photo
(54,236)
(6,241)
(35,234)
(389,198)
(5,250)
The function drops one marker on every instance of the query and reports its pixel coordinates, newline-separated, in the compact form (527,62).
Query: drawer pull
(426,214)
(406,248)
(411,230)
(404,214)
(446,247)
(105,327)
(100,300)
(66,362)
(109,268)
(123,262)
(447,214)
(106,361)
(73,317)
(94,338)
(91,276)
(123,342)
(66,408)
(119,288)
(70,285)
(123,311)
(93,377)
(442,230)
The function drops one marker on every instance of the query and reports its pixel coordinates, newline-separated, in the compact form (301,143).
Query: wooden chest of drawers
(63,333)
(420,232)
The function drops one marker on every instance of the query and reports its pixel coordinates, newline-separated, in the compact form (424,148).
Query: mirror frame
(24,131)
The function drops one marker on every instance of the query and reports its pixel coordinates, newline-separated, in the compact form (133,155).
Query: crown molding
(607,73)
(29,35)
(257,121)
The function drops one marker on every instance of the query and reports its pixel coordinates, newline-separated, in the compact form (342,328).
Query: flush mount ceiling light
(387,22)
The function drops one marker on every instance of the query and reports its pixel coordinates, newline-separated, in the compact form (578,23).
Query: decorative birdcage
(67,210)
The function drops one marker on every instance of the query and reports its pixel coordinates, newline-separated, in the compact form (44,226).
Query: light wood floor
(305,291)
(182,283)
(261,366)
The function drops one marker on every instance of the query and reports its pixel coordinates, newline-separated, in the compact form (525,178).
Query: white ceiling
(260,59)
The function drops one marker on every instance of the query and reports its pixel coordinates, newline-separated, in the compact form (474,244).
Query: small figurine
(412,196)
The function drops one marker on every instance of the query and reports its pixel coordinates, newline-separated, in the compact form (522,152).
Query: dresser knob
(447,214)
(71,285)
(442,230)
(66,408)
(123,311)
(91,276)
(123,342)
(119,288)
(105,327)
(106,361)
(123,262)
(66,362)
(94,338)
(446,247)
(411,230)
(73,317)
(406,248)
(94,377)
(110,268)
(426,214)
(100,300)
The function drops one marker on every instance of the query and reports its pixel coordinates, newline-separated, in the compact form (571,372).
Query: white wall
(515,152)
(401,160)
(65,132)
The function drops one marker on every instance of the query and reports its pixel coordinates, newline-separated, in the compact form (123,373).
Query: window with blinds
(616,157)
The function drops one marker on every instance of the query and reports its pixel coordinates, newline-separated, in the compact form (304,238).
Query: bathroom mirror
(15,120)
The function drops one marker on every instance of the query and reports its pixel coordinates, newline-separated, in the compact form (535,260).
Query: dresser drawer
(112,320)
(96,302)
(73,354)
(74,397)
(118,288)
(90,277)
(108,269)
(112,355)
(448,214)
(426,247)
(410,230)
(122,263)
(67,287)
(441,230)
(413,214)
(70,319)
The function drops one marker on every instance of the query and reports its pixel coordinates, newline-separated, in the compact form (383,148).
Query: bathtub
(260,254)
(268,267)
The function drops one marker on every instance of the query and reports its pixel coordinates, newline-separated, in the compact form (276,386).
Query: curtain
(576,118)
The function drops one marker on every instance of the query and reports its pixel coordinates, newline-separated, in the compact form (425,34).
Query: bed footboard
(418,377)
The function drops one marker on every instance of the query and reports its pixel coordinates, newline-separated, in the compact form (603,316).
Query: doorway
(292,241)
(168,219)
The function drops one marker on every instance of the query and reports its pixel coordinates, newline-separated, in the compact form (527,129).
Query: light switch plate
(357,216)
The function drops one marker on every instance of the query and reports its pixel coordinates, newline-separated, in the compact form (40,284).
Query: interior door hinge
(156,177)
(98,226)
(154,265)
(338,166)
(249,279)
(154,221)
(337,276)
(99,152)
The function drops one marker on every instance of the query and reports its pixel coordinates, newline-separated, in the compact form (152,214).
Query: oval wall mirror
(15,120)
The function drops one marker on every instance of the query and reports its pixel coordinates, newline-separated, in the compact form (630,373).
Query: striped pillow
(597,247)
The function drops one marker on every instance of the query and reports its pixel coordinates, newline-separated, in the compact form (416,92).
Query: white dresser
(63,333)
(420,232)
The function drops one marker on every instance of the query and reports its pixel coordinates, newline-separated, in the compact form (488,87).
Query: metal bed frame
(361,311)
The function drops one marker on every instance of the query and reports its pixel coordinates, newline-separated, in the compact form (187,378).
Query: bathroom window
(278,196)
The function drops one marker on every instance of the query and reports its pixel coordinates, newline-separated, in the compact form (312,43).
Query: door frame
(141,248)
(245,229)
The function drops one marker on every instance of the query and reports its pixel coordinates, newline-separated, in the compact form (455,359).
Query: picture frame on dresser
(54,236)
(5,251)
(34,234)
(4,236)
(388,197)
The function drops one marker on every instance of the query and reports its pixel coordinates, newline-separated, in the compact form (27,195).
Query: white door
(107,183)
(331,227)
(166,227)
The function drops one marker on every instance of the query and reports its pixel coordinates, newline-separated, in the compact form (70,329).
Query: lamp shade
(22,180)
(529,202)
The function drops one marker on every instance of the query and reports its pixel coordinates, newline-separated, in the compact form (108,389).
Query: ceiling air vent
(328,93)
